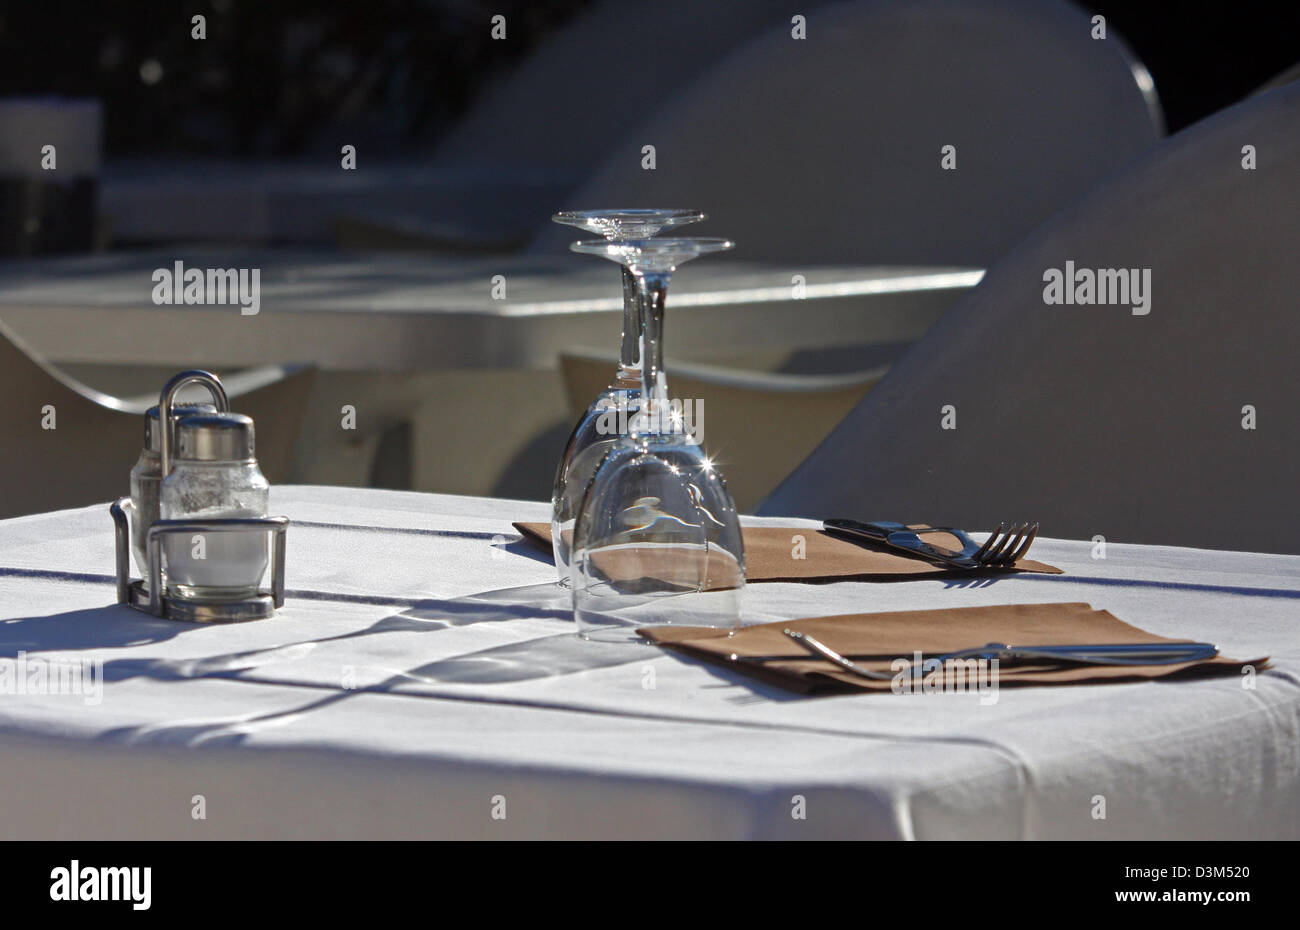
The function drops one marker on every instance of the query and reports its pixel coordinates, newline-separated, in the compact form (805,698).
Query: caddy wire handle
(167,400)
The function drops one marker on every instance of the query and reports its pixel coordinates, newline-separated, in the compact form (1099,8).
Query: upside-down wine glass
(598,428)
(656,539)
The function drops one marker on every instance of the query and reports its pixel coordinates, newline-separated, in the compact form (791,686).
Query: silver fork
(1006,545)
(1002,549)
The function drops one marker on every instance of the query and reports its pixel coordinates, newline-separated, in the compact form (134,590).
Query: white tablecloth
(423,680)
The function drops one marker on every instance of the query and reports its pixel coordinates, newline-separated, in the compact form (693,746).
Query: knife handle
(878,531)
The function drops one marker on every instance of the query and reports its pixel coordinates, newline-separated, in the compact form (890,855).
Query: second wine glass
(657,539)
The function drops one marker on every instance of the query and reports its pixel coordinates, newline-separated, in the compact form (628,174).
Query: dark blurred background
(288,77)
(298,77)
(234,152)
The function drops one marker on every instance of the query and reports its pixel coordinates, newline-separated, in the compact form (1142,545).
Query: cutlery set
(1005,546)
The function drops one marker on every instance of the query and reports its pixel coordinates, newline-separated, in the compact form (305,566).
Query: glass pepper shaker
(146,480)
(214,476)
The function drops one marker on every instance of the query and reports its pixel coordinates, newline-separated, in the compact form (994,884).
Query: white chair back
(832,148)
(1165,417)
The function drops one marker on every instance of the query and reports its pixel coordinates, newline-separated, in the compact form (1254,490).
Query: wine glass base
(624,635)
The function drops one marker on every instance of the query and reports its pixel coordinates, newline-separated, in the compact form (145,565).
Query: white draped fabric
(423,680)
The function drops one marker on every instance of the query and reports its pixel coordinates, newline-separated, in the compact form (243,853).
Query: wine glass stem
(629,359)
(653,291)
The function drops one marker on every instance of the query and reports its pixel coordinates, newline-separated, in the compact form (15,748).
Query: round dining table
(424,680)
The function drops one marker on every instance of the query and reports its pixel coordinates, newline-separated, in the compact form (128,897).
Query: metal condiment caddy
(208,428)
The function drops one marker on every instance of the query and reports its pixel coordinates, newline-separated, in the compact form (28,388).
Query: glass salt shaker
(214,476)
(146,480)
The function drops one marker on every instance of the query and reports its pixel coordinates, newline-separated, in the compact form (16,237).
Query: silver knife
(1088,653)
(900,536)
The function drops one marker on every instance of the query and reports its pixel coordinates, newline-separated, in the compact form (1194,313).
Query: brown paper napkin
(889,636)
(772,554)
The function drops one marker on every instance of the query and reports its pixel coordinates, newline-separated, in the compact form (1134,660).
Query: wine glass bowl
(656,542)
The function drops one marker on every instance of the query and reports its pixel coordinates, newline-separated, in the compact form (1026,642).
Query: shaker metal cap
(153,435)
(215,437)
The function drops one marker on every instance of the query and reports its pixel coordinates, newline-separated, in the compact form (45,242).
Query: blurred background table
(370,313)
(455,390)
(424,674)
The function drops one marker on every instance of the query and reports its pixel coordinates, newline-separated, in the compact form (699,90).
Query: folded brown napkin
(764,651)
(787,553)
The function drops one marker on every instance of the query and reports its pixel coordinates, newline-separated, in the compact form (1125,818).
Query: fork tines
(1006,545)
